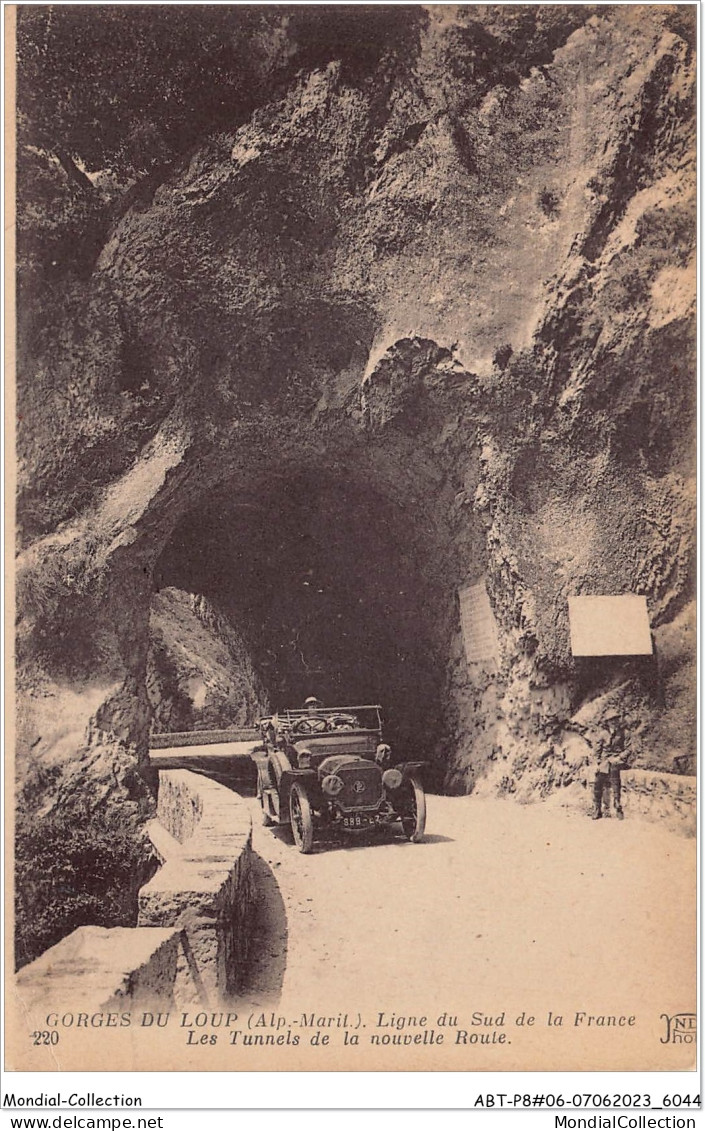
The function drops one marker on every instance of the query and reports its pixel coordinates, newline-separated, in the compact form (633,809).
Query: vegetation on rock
(72,869)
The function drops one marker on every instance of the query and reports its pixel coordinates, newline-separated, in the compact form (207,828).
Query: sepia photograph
(350,464)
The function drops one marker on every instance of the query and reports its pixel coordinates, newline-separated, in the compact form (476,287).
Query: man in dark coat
(608,760)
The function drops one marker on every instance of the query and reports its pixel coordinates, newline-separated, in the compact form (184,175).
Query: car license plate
(358,821)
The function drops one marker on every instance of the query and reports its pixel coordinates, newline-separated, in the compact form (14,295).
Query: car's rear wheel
(413,815)
(301,818)
(264,782)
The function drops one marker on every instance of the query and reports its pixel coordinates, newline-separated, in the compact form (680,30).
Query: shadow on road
(370,841)
(265,970)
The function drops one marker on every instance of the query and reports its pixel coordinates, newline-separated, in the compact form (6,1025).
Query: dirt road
(503,908)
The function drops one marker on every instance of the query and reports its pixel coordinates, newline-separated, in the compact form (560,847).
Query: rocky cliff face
(396,333)
(199,671)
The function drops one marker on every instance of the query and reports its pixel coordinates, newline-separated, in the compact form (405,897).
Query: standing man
(608,758)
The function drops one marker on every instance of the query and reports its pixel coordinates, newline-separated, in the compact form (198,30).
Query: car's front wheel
(301,818)
(413,815)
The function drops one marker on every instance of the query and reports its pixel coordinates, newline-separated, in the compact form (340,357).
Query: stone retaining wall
(102,969)
(669,799)
(193,933)
(205,885)
(204,737)
(661,796)
(180,803)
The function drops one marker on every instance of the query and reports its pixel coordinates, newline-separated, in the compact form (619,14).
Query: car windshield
(325,719)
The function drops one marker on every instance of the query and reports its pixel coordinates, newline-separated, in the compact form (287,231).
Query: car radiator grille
(362,786)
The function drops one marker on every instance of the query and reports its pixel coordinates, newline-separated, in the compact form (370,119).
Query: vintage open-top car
(329,768)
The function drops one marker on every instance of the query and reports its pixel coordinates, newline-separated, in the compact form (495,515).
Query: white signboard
(478,624)
(609,626)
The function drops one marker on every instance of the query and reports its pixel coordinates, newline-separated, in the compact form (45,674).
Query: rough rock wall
(469,272)
(199,671)
(587,483)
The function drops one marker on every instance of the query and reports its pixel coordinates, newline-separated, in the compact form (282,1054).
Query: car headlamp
(304,759)
(383,754)
(392,779)
(332,785)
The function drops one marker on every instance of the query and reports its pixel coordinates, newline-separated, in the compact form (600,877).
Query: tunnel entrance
(341,589)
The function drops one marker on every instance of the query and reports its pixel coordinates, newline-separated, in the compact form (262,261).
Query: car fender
(307,778)
(278,765)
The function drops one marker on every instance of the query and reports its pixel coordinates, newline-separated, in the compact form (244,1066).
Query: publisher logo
(681,1029)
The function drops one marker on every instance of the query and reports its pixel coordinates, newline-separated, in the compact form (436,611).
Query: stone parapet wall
(205,887)
(180,739)
(192,937)
(180,803)
(661,796)
(102,969)
(669,799)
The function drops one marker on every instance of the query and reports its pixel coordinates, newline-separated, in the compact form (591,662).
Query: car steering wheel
(310,725)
